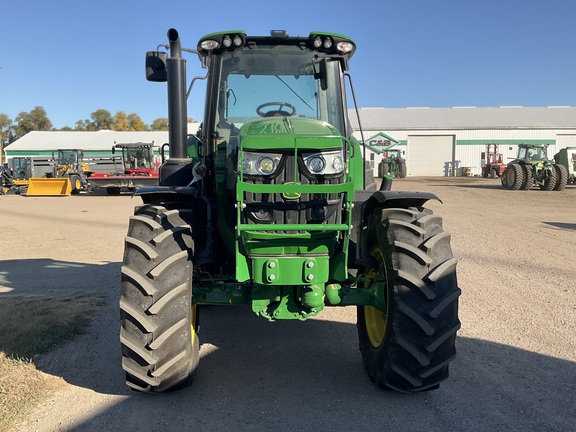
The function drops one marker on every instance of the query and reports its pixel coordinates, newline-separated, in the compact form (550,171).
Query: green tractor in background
(567,158)
(267,206)
(392,164)
(533,168)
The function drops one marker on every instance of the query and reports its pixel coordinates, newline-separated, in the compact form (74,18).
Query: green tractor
(392,164)
(532,167)
(567,158)
(266,207)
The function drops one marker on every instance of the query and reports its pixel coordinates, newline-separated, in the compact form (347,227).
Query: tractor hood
(283,133)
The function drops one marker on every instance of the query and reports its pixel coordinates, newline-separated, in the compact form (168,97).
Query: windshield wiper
(292,90)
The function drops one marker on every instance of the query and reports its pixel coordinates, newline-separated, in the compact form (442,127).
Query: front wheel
(158,333)
(76,184)
(408,345)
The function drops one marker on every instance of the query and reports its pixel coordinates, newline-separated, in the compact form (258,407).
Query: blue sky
(73,57)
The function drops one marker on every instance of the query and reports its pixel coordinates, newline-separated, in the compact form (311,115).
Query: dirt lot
(516,365)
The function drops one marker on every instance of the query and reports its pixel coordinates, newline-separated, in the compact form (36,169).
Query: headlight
(209,45)
(324,163)
(260,164)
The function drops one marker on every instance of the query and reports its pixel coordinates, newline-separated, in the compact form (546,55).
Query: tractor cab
(537,153)
(532,152)
(392,154)
(137,158)
(70,162)
(21,168)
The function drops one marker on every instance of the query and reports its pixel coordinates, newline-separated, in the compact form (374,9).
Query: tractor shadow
(309,376)
(562,225)
(290,375)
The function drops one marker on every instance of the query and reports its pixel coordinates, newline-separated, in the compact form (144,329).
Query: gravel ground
(516,364)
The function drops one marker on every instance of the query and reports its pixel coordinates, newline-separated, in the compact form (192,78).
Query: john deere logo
(291,195)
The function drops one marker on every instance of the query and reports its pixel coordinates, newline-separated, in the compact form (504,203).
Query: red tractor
(492,162)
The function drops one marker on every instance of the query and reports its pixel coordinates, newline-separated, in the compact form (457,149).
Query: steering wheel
(277,112)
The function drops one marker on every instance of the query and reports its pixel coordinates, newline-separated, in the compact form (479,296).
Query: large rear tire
(514,176)
(159,325)
(561,177)
(402,170)
(528,180)
(409,345)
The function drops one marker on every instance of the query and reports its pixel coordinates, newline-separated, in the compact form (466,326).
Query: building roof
(101,140)
(465,118)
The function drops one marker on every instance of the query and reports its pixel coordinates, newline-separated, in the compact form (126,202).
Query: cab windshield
(67,157)
(265,81)
(137,158)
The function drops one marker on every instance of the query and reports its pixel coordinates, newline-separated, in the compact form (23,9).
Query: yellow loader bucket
(49,187)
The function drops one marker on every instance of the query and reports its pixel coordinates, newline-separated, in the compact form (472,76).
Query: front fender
(365,202)
(167,193)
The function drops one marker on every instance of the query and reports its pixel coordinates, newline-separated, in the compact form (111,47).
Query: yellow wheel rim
(193,323)
(374,318)
(375,325)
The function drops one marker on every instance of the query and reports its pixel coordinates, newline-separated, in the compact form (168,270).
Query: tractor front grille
(306,209)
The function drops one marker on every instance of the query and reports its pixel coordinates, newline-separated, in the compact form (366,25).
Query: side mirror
(156,66)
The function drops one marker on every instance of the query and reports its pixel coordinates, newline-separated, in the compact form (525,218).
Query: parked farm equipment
(533,168)
(567,158)
(492,162)
(392,164)
(268,208)
(68,176)
(138,169)
(16,175)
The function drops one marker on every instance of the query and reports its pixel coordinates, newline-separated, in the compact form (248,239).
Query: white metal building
(41,147)
(442,141)
(435,141)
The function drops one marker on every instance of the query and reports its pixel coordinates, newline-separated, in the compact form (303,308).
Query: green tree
(5,134)
(35,120)
(82,125)
(5,129)
(136,123)
(101,119)
(121,122)
(160,124)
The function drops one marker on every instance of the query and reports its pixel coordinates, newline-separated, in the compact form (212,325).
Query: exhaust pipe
(177,170)
(177,113)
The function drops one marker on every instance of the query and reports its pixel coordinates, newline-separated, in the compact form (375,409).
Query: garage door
(430,155)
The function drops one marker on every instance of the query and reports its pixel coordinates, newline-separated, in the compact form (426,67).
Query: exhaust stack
(177,113)
(176,171)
